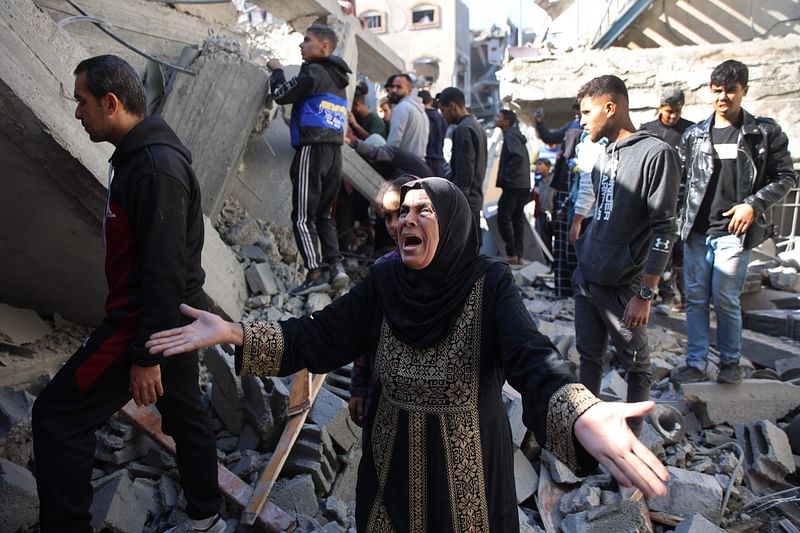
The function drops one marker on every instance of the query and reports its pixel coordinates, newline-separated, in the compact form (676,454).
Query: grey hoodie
(634,220)
(409,126)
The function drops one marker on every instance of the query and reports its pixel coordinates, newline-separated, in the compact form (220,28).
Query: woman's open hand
(207,330)
(604,433)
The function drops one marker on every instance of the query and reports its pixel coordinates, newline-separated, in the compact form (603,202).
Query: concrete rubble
(743,453)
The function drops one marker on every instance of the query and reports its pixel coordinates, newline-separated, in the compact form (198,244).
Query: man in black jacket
(514,177)
(624,250)
(736,166)
(318,121)
(153,235)
(468,157)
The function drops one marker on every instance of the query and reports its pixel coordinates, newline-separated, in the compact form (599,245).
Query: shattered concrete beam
(376,60)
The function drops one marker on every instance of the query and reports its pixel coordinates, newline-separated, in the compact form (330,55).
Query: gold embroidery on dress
(441,381)
(384,431)
(417,472)
(262,349)
(565,406)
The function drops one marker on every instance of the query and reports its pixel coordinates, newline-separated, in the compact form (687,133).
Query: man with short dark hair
(319,117)
(468,157)
(364,122)
(736,167)
(434,155)
(409,127)
(624,250)
(514,177)
(153,236)
(670,126)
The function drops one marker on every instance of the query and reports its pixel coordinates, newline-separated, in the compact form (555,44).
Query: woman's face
(418,230)
(391,212)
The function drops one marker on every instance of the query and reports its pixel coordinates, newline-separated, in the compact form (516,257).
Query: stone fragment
(226,391)
(697,523)
(525,524)
(21,326)
(117,508)
(518,428)
(581,499)
(558,470)
(533,271)
(317,301)
(167,492)
(626,515)
(526,479)
(138,469)
(330,412)
(753,399)
(254,253)
(613,388)
(295,495)
(336,509)
(689,492)
(20,508)
(767,456)
(260,279)
(344,487)
(15,408)
(146,491)
(245,233)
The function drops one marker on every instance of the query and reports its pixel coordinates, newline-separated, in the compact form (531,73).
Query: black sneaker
(687,374)
(730,373)
(338,276)
(317,284)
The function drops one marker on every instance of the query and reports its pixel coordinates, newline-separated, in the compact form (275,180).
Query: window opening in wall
(424,16)
(374,22)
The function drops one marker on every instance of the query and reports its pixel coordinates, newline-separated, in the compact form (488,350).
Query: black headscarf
(422,305)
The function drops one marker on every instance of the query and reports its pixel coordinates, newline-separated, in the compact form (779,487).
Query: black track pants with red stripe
(70,409)
(316,174)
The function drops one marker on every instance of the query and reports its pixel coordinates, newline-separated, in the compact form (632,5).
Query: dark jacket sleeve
(534,368)
(780,173)
(158,217)
(292,91)
(372,153)
(664,171)
(555,136)
(463,158)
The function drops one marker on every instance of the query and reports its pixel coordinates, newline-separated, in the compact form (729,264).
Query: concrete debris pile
(732,451)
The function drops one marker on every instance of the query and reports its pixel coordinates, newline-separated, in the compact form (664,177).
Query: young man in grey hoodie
(624,250)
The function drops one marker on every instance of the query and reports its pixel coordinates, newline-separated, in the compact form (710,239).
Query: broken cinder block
(767,456)
(753,399)
(689,492)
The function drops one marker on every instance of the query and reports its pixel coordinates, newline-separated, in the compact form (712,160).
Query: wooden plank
(665,519)
(281,453)
(271,518)
(300,397)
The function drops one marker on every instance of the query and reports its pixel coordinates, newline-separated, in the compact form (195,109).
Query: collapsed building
(732,455)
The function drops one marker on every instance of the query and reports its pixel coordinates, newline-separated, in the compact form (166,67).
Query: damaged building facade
(733,455)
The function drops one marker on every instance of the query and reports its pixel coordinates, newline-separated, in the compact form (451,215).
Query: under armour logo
(661,245)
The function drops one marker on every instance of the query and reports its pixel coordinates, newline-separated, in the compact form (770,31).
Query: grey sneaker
(661,309)
(339,278)
(687,374)
(730,373)
(317,284)
(218,526)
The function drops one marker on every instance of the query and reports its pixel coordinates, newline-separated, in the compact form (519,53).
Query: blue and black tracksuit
(153,231)
(318,121)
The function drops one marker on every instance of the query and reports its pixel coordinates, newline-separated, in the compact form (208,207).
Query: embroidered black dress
(439,456)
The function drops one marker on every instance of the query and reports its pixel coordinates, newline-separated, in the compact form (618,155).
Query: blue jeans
(715,269)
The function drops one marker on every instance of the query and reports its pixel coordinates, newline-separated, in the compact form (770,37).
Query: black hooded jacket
(154,236)
(515,163)
(319,111)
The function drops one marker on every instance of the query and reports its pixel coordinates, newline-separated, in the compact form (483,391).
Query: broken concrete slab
(317,301)
(116,507)
(533,271)
(753,399)
(613,388)
(225,284)
(583,498)
(344,488)
(21,326)
(788,369)
(689,492)
(20,508)
(226,391)
(768,456)
(626,515)
(245,233)
(227,92)
(526,480)
(697,523)
(518,428)
(559,472)
(331,412)
(254,253)
(260,279)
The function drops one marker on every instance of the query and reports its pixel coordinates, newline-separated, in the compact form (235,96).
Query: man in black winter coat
(153,236)
(318,121)
(514,177)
